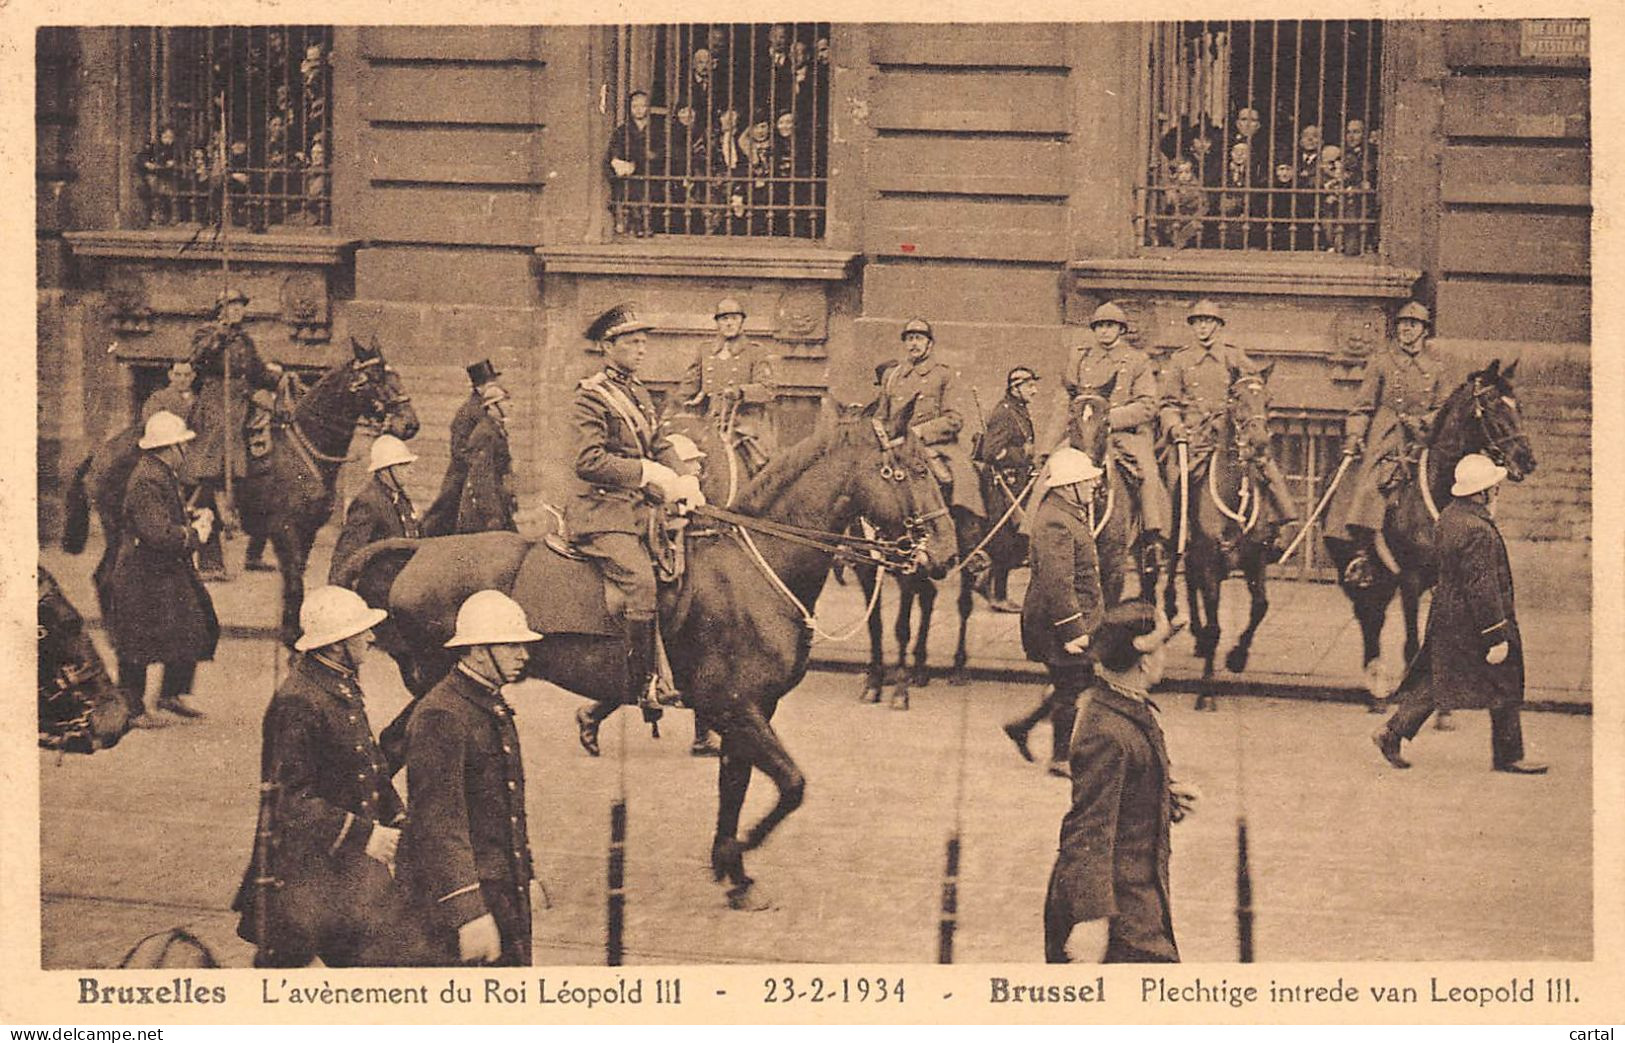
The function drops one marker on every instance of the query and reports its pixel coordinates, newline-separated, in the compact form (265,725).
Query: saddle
(1398,469)
(574,600)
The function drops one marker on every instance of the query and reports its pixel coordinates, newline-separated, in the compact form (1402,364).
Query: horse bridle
(915,523)
(1256,424)
(1495,444)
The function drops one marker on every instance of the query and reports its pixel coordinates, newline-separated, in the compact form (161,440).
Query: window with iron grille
(719,129)
(235,119)
(1263,136)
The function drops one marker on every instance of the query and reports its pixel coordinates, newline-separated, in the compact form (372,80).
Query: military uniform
(1394,409)
(1064,599)
(466,849)
(441,517)
(937,421)
(733,381)
(1133,409)
(487,501)
(330,898)
(1006,450)
(211,414)
(378,512)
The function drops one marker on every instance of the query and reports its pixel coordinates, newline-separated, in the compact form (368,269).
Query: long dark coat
(488,497)
(1064,598)
(441,517)
(1399,393)
(158,609)
(212,414)
(1472,611)
(1113,858)
(378,512)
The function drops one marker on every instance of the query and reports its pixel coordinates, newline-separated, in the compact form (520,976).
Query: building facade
(460,193)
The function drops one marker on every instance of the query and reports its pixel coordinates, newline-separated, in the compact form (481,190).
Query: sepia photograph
(815,493)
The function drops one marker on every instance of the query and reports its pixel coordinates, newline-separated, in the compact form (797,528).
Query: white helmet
(165,428)
(1068,465)
(331,614)
(685,448)
(1476,472)
(490,617)
(387,451)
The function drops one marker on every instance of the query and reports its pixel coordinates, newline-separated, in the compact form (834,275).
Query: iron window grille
(736,137)
(1263,136)
(236,120)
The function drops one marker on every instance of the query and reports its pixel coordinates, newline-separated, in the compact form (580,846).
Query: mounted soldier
(382,509)
(1112,361)
(937,416)
(622,456)
(441,517)
(1005,454)
(730,382)
(1195,390)
(1393,412)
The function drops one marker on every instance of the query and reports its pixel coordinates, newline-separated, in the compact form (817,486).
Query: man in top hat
(488,502)
(938,414)
(158,611)
(382,509)
(1005,453)
(441,517)
(1064,602)
(218,347)
(325,887)
(731,382)
(622,460)
(1108,899)
(1472,655)
(466,849)
(1133,412)
(1392,415)
(1195,387)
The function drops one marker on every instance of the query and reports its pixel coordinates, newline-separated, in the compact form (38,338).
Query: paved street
(1351,860)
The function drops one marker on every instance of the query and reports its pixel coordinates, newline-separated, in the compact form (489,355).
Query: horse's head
(1495,408)
(380,395)
(1088,420)
(1249,405)
(890,482)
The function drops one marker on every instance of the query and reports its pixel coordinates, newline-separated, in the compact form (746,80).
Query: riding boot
(1062,717)
(649,690)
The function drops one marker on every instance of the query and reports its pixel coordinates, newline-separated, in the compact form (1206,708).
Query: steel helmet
(729,306)
(228,296)
(490,617)
(331,614)
(918,326)
(1068,465)
(1415,310)
(1109,312)
(1476,472)
(387,451)
(165,428)
(1204,308)
(685,448)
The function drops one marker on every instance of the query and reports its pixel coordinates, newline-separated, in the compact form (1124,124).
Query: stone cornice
(737,259)
(167,244)
(1233,272)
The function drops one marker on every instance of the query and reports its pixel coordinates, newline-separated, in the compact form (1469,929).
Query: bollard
(615,926)
(1244,894)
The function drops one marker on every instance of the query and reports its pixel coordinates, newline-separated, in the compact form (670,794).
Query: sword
(1184,496)
(1314,515)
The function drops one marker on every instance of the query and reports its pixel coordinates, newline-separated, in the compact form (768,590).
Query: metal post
(1244,894)
(615,926)
(950,903)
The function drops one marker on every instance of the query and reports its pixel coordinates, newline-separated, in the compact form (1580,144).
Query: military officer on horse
(937,417)
(730,382)
(1393,412)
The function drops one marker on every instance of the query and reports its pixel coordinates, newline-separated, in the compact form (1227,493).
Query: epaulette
(593,382)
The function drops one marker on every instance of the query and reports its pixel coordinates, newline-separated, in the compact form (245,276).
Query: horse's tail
(76,527)
(354,567)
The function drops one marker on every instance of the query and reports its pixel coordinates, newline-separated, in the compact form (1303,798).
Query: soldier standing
(466,849)
(1006,456)
(488,502)
(441,517)
(731,382)
(937,417)
(1393,412)
(382,509)
(1195,391)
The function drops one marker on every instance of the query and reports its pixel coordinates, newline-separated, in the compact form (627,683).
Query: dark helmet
(1415,310)
(1204,309)
(918,326)
(1109,312)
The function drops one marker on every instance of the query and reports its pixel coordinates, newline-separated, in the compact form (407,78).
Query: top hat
(482,372)
(617,321)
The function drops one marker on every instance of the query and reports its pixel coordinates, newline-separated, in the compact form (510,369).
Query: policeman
(466,850)
(382,509)
(623,458)
(1133,409)
(1195,390)
(1005,454)
(938,416)
(441,517)
(1393,412)
(731,381)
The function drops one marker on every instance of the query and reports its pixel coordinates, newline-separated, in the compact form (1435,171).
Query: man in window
(637,153)
(1360,174)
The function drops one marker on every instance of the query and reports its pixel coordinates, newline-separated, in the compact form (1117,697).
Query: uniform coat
(378,512)
(488,501)
(937,419)
(1006,449)
(1195,390)
(331,900)
(1133,415)
(616,428)
(1397,400)
(466,849)
(441,517)
(1064,599)
(1472,611)
(1114,847)
(159,611)
(211,413)
(724,373)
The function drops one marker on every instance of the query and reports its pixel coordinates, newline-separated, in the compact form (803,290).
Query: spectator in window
(1306,174)
(821,51)
(1237,204)
(160,165)
(1181,208)
(637,152)
(702,80)
(725,168)
(757,145)
(792,165)
(688,148)
(315,209)
(1360,167)
(198,206)
(1329,227)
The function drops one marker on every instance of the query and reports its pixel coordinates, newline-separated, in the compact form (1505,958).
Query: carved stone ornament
(1356,333)
(128,297)
(802,314)
(305,307)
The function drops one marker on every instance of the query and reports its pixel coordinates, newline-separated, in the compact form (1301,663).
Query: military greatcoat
(937,419)
(212,345)
(1395,406)
(1195,386)
(1133,413)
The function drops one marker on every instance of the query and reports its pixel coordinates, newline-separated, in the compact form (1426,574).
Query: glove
(1077,645)
(1351,447)
(203,524)
(382,844)
(1182,797)
(659,477)
(1497,654)
(686,493)
(623,167)
(478,941)
(1088,941)
(1178,433)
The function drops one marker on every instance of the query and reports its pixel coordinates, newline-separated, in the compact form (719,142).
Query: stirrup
(657,693)
(1361,571)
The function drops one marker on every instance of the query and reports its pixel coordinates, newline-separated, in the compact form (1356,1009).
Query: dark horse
(1479,416)
(1224,534)
(735,631)
(286,496)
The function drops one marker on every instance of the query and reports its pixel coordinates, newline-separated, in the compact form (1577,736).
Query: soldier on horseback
(233,408)
(621,456)
(730,382)
(1195,391)
(1133,409)
(1393,413)
(937,417)
(1005,453)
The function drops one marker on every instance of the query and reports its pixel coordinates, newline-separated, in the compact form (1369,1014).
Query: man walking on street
(441,517)
(1472,656)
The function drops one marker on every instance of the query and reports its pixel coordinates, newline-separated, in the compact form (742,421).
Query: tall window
(1263,136)
(719,130)
(235,120)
